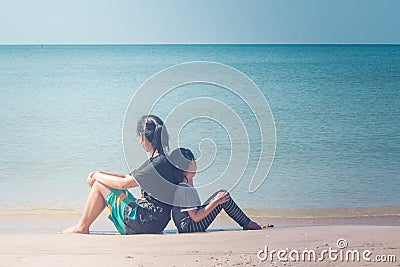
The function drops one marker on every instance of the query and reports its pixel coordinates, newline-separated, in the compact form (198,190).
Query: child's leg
(230,208)
(95,204)
(239,217)
(202,225)
(233,210)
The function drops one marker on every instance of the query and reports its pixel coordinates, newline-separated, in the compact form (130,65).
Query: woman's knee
(102,189)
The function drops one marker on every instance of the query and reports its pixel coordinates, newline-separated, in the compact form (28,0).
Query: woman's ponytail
(158,141)
(154,130)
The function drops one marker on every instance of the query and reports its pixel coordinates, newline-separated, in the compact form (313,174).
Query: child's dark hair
(180,158)
(153,129)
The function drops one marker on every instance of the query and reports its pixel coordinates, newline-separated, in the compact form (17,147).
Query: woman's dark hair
(153,129)
(180,158)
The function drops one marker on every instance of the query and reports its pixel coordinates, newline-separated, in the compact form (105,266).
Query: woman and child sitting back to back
(167,184)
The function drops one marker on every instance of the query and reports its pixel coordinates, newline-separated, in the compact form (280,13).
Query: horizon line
(3,44)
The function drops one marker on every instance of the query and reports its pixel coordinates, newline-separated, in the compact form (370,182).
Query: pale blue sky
(201,21)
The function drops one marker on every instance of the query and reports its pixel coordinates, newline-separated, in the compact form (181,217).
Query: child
(188,214)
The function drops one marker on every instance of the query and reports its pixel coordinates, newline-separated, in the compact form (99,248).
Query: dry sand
(34,243)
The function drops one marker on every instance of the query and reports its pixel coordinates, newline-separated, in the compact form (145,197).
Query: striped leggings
(230,208)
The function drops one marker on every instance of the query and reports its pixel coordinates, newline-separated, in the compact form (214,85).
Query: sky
(201,21)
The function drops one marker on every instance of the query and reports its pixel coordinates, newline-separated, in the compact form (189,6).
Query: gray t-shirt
(158,182)
(185,198)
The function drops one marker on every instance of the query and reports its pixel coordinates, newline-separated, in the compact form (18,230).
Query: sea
(336,111)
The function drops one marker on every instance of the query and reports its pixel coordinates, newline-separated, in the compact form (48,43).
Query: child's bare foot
(255,226)
(74,230)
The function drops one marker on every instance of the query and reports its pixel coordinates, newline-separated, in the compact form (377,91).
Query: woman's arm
(115,174)
(198,215)
(117,182)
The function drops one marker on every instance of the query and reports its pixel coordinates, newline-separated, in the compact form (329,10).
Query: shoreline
(341,212)
(49,221)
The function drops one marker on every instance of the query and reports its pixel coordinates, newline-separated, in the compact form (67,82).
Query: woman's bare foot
(255,226)
(75,230)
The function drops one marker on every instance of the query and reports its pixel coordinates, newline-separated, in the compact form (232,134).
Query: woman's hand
(90,180)
(221,197)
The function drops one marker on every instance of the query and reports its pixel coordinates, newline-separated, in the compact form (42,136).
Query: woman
(188,214)
(131,215)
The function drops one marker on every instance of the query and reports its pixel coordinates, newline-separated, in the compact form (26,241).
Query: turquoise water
(336,109)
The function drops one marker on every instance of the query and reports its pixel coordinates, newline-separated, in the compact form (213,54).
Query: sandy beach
(31,240)
(226,248)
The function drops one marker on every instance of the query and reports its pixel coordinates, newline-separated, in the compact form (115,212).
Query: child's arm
(117,182)
(198,215)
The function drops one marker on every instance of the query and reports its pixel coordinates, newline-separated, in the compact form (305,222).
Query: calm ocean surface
(336,109)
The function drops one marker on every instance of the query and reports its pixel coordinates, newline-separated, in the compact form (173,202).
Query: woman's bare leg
(95,204)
